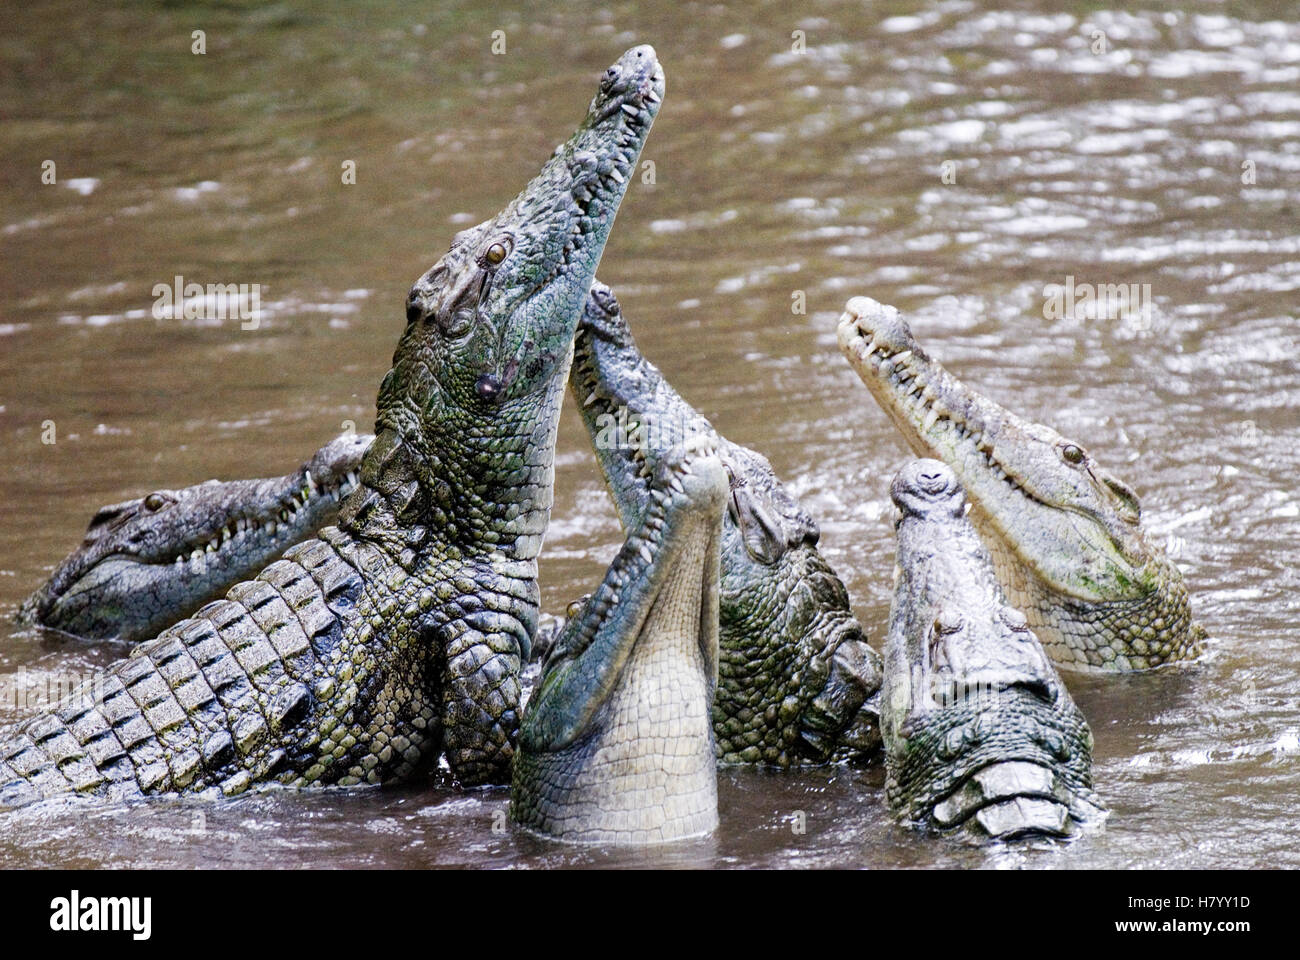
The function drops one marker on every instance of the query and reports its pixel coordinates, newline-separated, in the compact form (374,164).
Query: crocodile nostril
(933,482)
(414,308)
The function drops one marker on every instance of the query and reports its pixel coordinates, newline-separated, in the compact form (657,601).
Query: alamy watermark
(1102,301)
(626,430)
(214,301)
(923,691)
(26,691)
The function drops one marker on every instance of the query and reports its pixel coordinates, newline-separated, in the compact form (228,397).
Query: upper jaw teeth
(235,529)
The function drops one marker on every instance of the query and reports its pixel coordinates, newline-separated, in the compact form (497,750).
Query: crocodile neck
(482,488)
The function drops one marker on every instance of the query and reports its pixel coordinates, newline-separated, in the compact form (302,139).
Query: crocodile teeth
(930,419)
(591,398)
(617,176)
(630,110)
(646,554)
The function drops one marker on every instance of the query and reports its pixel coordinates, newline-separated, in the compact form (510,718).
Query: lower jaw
(652,810)
(683,821)
(624,791)
(1011,800)
(1020,818)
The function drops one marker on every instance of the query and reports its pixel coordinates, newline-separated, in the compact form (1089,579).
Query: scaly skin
(796,676)
(397,636)
(147,563)
(1065,536)
(981,737)
(616,746)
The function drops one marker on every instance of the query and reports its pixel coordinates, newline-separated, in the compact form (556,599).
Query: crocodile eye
(948,622)
(1072,454)
(155,501)
(495,253)
(1018,623)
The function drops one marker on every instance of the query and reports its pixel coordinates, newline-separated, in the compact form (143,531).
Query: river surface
(953,159)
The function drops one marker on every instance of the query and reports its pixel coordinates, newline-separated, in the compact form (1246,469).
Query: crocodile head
(981,737)
(467,415)
(616,744)
(146,563)
(1065,535)
(796,674)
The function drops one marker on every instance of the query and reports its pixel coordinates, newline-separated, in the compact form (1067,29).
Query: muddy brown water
(1155,147)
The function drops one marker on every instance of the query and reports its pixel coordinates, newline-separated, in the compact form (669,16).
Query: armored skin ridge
(1065,535)
(796,676)
(616,745)
(981,738)
(146,563)
(397,636)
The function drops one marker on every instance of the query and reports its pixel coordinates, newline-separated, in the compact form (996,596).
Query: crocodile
(396,637)
(796,674)
(1065,535)
(982,741)
(616,743)
(148,562)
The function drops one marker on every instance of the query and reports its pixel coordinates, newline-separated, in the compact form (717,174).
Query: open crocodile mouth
(628,599)
(646,546)
(617,745)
